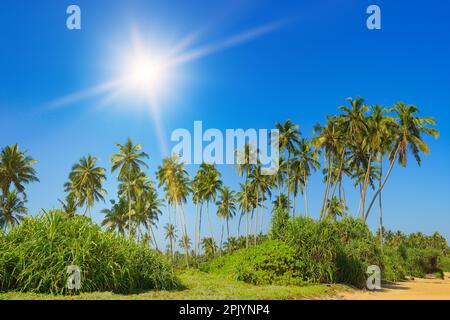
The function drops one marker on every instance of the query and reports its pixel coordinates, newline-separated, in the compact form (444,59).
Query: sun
(145,75)
(144,71)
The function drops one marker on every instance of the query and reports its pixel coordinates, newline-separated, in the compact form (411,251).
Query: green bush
(393,265)
(34,257)
(420,262)
(446,264)
(272,262)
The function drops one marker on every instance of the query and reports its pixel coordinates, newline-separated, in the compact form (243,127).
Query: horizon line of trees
(353,145)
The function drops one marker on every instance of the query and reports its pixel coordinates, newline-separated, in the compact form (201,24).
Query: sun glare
(145,75)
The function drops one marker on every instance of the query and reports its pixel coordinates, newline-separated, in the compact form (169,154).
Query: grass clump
(271,262)
(35,255)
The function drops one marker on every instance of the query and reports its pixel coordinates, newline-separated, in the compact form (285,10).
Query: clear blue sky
(320,54)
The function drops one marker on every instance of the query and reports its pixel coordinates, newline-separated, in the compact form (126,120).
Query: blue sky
(320,54)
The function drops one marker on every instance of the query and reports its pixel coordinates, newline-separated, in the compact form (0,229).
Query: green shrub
(357,250)
(393,265)
(35,255)
(445,264)
(420,262)
(272,262)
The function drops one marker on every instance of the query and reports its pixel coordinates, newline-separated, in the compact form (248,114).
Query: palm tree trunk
(338,176)
(228,229)
(195,229)
(383,184)
(153,237)
(380,204)
(221,237)
(199,227)
(366,182)
(306,195)
(257,216)
(327,189)
(239,225)
(246,229)
(289,179)
(262,213)
(129,213)
(171,248)
(294,197)
(209,219)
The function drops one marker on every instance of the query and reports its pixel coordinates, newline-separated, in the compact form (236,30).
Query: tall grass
(35,255)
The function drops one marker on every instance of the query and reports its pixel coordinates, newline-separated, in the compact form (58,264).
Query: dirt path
(417,289)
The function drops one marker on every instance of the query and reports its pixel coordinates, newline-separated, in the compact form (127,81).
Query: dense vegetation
(349,150)
(35,255)
(308,251)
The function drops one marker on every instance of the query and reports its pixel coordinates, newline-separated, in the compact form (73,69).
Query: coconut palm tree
(331,139)
(288,139)
(85,182)
(185,243)
(148,210)
(197,200)
(408,137)
(281,203)
(336,208)
(384,127)
(12,211)
(231,245)
(307,162)
(171,235)
(69,206)
(226,209)
(210,185)
(246,200)
(129,161)
(261,186)
(15,169)
(116,217)
(209,247)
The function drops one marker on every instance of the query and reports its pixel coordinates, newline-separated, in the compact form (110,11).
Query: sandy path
(417,289)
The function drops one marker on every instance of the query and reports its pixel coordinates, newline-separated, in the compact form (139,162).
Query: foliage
(35,255)
(271,262)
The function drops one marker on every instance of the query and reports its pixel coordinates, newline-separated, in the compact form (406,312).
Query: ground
(417,289)
(200,285)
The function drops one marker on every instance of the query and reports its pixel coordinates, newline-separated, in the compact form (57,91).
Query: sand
(417,289)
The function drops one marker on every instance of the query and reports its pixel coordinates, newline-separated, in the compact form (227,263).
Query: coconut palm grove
(88,181)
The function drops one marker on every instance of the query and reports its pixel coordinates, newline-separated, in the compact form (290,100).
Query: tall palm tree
(15,169)
(288,139)
(383,129)
(281,203)
(166,174)
(85,182)
(336,208)
(171,235)
(129,161)
(211,184)
(69,206)
(209,247)
(116,217)
(197,200)
(226,209)
(331,139)
(308,161)
(408,136)
(185,243)
(246,200)
(12,211)
(148,210)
